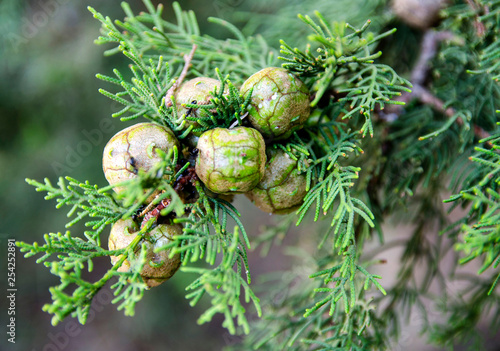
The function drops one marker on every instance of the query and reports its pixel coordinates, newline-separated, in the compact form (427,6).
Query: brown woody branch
(478,25)
(187,64)
(419,74)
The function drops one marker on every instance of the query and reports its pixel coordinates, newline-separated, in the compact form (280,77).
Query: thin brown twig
(187,64)
(421,69)
(427,98)
(428,51)
(150,206)
(235,123)
(419,74)
(480,27)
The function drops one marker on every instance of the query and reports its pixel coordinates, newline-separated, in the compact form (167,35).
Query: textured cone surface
(282,189)
(158,267)
(133,149)
(231,160)
(195,91)
(279,103)
(122,234)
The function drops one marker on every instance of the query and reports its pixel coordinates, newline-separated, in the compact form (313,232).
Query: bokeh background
(54,122)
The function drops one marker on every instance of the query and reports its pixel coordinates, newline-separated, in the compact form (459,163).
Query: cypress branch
(333,300)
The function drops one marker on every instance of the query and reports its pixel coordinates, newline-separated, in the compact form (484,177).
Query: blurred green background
(54,122)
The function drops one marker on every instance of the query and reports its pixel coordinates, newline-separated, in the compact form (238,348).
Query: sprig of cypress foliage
(69,256)
(346,63)
(479,230)
(151,36)
(86,201)
(226,109)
